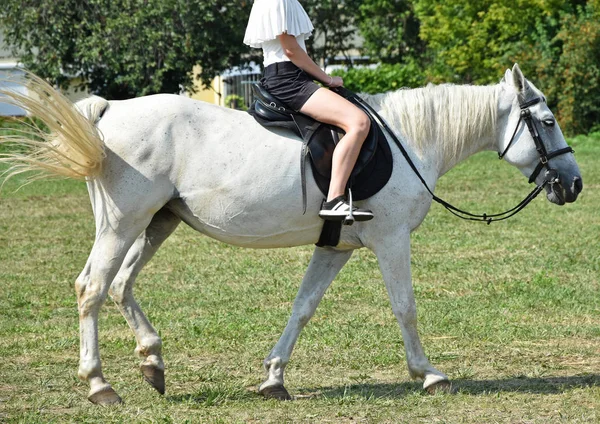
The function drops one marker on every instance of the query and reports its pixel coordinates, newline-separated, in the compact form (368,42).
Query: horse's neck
(480,144)
(442,125)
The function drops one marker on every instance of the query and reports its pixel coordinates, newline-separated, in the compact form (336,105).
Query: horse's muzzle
(560,193)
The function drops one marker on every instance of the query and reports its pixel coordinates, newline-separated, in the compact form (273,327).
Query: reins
(550,177)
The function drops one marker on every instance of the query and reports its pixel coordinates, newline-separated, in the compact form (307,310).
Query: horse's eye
(548,122)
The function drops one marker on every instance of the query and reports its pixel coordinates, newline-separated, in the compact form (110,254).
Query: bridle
(539,145)
(551,175)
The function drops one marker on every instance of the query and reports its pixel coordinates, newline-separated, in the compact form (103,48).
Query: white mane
(445,117)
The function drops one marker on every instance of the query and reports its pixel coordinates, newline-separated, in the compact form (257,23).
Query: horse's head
(532,141)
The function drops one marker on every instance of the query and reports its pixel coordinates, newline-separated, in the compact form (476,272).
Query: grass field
(509,311)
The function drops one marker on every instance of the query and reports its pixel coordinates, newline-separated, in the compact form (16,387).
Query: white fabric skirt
(270,18)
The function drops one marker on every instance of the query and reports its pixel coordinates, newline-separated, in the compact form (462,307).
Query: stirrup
(349,220)
(339,210)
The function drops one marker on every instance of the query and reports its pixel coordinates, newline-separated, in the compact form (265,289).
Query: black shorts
(289,84)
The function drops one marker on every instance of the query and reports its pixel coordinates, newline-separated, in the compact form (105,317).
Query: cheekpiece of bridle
(551,175)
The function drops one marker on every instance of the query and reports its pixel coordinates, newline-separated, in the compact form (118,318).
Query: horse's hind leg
(324,266)
(148,341)
(113,240)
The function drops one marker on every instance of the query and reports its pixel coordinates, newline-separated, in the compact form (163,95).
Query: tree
(390,30)
(335,28)
(579,71)
(570,64)
(126,48)
(474,40)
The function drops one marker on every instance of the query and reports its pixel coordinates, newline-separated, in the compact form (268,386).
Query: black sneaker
(338,210)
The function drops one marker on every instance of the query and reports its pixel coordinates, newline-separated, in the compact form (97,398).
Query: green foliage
(390,30)
(384,77)
(473,40)
(388,27)
(556,43)
(578,71)
(126,48)
(563,60)
(234,101)
(334,28)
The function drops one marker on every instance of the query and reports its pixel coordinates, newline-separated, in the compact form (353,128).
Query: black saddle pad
(367,178)
(374,166)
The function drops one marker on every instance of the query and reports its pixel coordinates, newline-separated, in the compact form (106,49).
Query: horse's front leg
(324,266)
(393,255)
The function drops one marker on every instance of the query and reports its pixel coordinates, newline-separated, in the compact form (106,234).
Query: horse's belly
(248,225)
(250,196)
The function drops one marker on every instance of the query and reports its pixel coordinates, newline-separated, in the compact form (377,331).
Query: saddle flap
(321,147)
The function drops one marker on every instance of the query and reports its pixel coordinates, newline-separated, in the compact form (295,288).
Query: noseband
(551,175)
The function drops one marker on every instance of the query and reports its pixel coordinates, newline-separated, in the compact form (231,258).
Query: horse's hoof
(442,386)
(275,392)
(105,396)
(155,377)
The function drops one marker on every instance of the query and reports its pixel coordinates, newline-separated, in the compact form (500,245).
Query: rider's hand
(336,82)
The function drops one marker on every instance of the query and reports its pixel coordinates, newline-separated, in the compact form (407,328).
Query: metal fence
(239,85)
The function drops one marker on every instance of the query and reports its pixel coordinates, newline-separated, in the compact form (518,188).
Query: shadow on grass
(214,396)
(541,385)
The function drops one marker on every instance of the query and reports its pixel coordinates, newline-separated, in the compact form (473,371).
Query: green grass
(509,311)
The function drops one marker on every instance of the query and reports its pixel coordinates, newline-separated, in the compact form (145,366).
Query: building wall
(235,81)
(207,94)
(8,71)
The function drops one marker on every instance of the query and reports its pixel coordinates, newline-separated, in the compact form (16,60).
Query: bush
(561,57)
(385,77)
(234,101)
(578,72)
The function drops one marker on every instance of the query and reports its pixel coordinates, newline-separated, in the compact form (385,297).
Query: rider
(281,27)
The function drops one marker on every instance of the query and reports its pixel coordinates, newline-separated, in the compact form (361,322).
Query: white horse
(155,161)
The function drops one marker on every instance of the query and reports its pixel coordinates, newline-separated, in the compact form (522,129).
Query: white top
(270,18)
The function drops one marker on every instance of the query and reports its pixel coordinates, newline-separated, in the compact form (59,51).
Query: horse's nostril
(577,185)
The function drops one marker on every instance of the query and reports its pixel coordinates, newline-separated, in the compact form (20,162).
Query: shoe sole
(357,218)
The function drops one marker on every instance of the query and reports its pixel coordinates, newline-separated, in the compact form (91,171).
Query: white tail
(70,147)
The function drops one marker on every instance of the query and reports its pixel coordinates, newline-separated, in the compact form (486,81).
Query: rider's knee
(362,125)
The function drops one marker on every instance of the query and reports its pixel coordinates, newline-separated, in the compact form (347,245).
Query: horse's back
(224,174)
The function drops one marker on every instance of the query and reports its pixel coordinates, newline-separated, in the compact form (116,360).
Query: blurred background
(125,48)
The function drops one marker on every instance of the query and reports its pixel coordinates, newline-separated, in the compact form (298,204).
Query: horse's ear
(518,79)
(507,76)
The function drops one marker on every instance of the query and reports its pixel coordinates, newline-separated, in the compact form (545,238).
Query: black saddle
(373,167)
